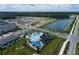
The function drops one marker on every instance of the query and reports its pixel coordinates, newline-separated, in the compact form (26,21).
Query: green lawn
(77,49)
(18,49)
(53,47)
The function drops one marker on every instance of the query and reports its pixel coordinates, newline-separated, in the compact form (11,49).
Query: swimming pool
(36,36)
(35,39)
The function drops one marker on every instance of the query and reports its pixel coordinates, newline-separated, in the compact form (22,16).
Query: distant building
(23,21)
(7,40)
(6,27)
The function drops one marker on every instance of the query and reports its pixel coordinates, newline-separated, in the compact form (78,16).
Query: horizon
(39,8)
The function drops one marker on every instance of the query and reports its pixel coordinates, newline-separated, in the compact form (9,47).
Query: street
(73,40)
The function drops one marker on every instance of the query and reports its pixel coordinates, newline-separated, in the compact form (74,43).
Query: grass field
(77,49)
(53,47)
(18,49)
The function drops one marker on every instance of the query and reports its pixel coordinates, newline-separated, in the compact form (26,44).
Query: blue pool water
(35,39)
(59,25)
(36,43)
(36,36)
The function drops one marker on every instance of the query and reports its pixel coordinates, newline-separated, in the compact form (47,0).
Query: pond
(59,25)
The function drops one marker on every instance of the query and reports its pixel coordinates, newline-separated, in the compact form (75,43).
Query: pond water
(59,24)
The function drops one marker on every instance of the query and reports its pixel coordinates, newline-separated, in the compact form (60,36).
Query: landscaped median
(77,48)
(68,29)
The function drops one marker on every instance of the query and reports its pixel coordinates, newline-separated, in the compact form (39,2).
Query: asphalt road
(73,40)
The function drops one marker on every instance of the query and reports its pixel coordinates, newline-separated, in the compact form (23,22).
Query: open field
(53,47)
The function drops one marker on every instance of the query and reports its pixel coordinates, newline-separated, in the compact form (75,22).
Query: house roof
(7,39)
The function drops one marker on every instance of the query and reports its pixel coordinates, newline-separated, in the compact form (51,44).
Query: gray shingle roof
(5,26)
(8,39)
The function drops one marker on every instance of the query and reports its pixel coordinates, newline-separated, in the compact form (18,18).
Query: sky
(39,7)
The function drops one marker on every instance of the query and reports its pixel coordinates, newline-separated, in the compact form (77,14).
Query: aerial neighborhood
(39,33)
